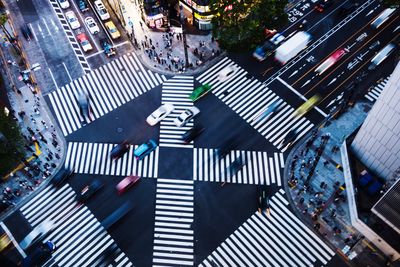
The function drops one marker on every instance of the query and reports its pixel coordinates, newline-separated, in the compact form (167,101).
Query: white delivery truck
(292,47)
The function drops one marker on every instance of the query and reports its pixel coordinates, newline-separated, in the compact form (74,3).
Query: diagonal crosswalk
(376,91)
(78,235)
(279,239)
(260,168)
(176,91)
(94,158)
(249,98)
(173,230)
(107,87)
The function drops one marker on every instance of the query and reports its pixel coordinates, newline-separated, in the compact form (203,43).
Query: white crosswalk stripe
(248,97)
(94,158)
(78,235)
(176,91)
(108,87)
(260,168)
(279,239)
(174,216)
(376,91)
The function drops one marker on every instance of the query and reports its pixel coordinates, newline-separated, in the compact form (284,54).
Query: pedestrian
(317,226)
(301,200)
(57,156)
(322,184)
(151,42)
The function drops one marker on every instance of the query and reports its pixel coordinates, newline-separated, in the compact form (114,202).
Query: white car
(92,25)
(101,10)
(186,116)
(63,4)
(159,114)
(72,20)
(37,234)
(227,73)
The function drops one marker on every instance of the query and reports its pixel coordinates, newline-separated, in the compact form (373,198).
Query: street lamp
(182,17)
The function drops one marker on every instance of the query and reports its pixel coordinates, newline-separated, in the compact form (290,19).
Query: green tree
(239,24)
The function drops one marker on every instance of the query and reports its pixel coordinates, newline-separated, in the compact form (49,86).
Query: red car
(324,4)
(126,183)
(331,60)
(84,42)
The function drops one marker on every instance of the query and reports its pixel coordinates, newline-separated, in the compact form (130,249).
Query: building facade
(198,13)
(377,144)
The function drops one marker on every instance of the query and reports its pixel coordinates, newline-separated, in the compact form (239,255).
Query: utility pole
(182,17)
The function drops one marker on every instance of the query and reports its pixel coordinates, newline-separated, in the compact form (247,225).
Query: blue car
(145,149)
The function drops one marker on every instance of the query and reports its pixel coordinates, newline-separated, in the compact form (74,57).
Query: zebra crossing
(376,91)
(176,91)
(78,235)
(94,158)
(173,230)
(278,239)
(260,168)
(249,97)
(107,88)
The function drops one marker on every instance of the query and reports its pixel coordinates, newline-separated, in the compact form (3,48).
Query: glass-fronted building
(199,13)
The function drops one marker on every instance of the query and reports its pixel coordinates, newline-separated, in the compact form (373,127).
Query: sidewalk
(163,51)
(316,184)
(44,147)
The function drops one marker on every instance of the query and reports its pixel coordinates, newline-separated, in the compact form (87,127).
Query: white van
(381,56)
(382,18)
(101,10)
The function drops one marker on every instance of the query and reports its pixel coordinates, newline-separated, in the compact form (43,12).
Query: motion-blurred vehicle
(291,47)
(84,42)
(72,20)
(26,32)
(271,109)
(64,4)
(265,50)
(323,5)
(37,234)
(227,73)
(269,33)
(200,92)
(330,61)
(289,138)
(40,255)
(126,183)
(112,30)
(84,107)
(101,10)
(382,17)
(159,114)
(119,150)
(82,4)
(145,149)
(92,25)
(263,199)
(308,105)
(5,241)
(117,215)
(381,56)
(61,177)
(191,134)
(186,116)
(109,254)
(225,148)
(88,191)
(109,50)
(236,165)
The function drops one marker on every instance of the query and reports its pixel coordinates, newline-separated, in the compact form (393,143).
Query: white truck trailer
(292,47)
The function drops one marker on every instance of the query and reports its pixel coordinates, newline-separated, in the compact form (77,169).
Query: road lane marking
(300,95)
(13,239)
(70,78)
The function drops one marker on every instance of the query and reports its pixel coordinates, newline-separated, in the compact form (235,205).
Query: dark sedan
(88,191)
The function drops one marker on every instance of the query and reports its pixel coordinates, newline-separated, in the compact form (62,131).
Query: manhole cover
(120,130)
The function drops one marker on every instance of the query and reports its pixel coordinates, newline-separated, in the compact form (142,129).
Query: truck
(292,47)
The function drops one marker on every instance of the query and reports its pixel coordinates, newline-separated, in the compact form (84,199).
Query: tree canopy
(240,24)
